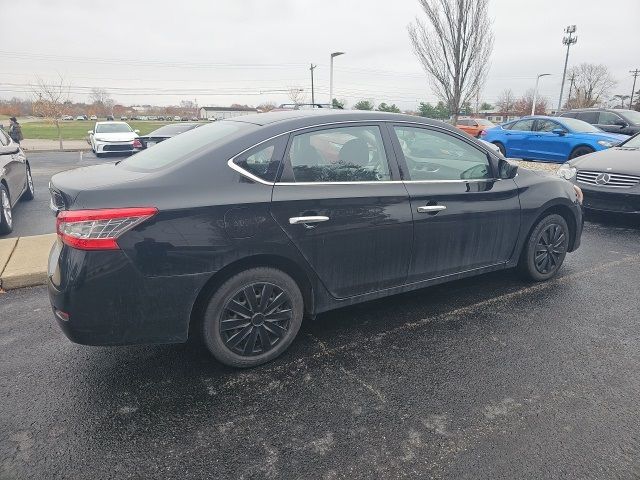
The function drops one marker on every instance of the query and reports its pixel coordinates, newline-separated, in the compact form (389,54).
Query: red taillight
(99,229)
(137,143)
(483,133)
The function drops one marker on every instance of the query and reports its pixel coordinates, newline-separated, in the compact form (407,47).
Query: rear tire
(6,213)
(253,317)
(545,249)
(503,150)
(579,151)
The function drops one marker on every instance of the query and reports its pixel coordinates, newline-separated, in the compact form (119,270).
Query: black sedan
(235,230)
(166,131)
(610,179)
(15,180)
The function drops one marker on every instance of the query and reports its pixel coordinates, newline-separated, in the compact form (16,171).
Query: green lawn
(77,129)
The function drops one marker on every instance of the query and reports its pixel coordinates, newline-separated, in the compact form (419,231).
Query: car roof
(303,118)
(112,123)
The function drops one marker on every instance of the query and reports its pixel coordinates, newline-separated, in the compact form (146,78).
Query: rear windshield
(177,148)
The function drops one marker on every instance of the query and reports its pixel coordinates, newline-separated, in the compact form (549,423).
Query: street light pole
(568,41)
(313,98)
(535,92)
(333,55)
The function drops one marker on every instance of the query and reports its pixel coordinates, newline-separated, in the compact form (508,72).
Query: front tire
(545,249)
(29,193)
(253,317)
(6,214)
(579,151)
(503,150)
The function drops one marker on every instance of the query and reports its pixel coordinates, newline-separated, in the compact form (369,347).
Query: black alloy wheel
(552,244)
(255,319)
(29,193)
(6,213)
(545,249)
(252,317)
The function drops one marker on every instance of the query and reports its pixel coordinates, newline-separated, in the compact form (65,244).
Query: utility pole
(635,74)
(313,98)
(568,41)
(572,79)
(333,55)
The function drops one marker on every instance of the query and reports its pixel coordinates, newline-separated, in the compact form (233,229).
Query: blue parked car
(552,139)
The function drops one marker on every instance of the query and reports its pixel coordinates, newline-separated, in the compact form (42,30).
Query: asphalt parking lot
(35,217)
(489,377)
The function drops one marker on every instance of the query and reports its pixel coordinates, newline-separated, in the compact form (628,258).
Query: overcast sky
(246,51)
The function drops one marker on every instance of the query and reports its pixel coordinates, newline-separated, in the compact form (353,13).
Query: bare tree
(506,101)
(522,106)
(454,47)
(296,95)
(266,107)
(592,85)
(50,101)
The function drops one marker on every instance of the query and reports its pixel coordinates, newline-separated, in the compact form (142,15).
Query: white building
(220,113)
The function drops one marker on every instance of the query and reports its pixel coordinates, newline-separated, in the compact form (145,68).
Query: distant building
(496,116)
(220,113)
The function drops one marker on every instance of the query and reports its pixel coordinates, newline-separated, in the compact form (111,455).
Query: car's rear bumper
(109,302)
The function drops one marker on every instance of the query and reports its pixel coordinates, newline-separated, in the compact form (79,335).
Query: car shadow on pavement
(613,219)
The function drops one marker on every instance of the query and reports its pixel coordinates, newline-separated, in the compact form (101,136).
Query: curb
(45,150)
(23,261)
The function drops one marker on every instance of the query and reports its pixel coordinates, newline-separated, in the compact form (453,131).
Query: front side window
(523,125)
(433,155)
(345,154)
(608,118)
(547,126)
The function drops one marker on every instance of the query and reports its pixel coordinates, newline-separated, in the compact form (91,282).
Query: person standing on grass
(15,130)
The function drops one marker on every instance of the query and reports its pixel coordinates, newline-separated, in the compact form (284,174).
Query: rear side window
(345,154)
(264,160)
(589,117)
(523,125)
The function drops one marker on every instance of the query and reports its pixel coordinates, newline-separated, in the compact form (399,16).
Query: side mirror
(507,169)
(559,131)
(90,132)
(9,149)
(136,131)
(621,123)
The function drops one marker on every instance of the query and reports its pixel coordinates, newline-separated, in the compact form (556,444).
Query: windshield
(633,142)
(112,128)
(179,147)
(171,130)
(578,126)
(631,115)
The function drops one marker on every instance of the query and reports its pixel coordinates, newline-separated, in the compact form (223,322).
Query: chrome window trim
(231,162)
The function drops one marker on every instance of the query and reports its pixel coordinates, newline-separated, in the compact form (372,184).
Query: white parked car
(93,117)
(176,118)
(113,137)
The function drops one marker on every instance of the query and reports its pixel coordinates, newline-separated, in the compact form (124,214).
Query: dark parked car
(610,179)
(166,131)
(15,180)
(235,230)
(626,122)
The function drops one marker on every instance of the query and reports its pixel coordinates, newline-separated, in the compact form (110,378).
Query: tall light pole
(333,55)
(535,92)
(568,41)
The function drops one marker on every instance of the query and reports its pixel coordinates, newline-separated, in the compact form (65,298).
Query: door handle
(431,208)
(307,220)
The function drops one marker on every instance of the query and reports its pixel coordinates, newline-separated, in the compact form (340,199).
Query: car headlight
(606,143)
(567,172)
(98,139)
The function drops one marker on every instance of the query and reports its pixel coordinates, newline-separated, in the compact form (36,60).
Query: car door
(341,202)
(13,165)
(517,138)
(546,145)
(464,217)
